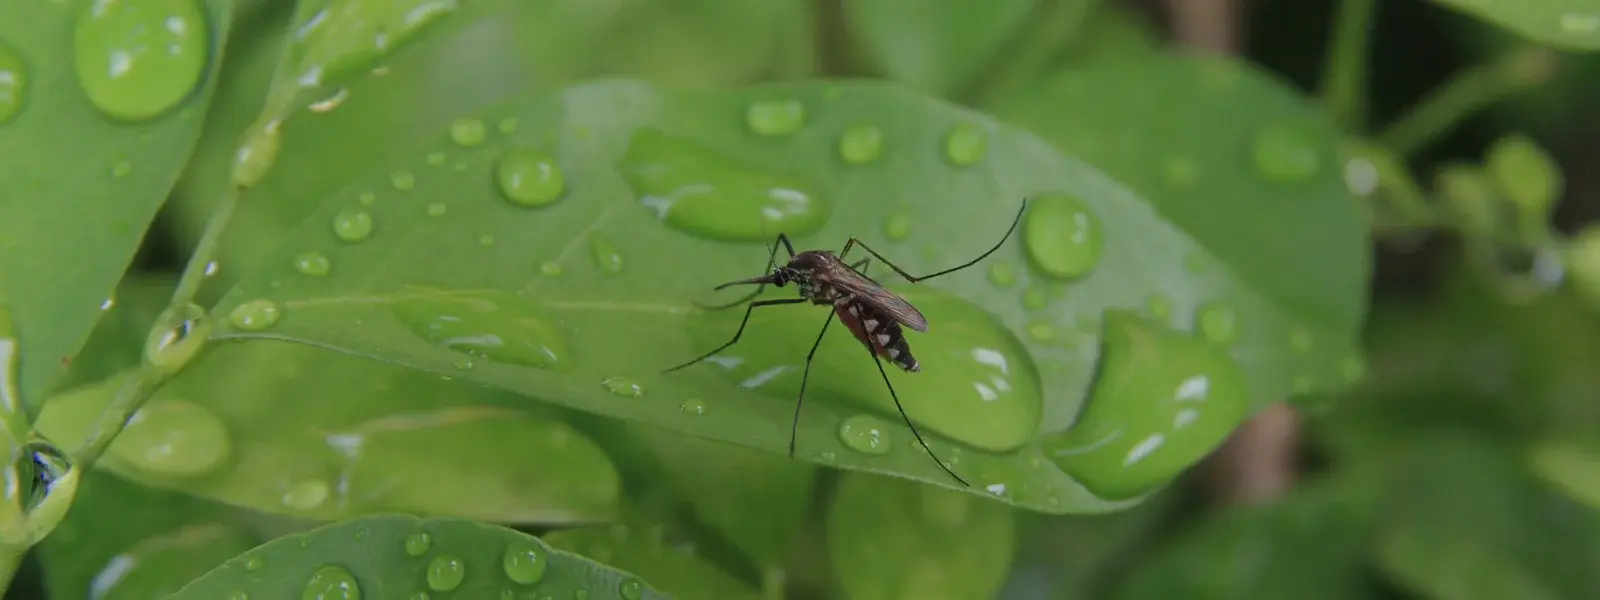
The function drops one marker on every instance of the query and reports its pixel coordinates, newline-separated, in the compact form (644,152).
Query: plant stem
(1465,93)
(10,560)
(1344,78)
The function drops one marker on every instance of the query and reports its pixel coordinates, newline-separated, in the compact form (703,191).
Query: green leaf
(1571,465)
(289,429)
(554,294)
(642,546)
(1248,168)
(90,158)
(395,556)
(117,342)
(1567,24)
(122,541)
(935,47)
(893,539)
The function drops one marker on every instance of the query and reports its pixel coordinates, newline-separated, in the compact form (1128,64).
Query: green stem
(10,561)
(1042,33)
(1466,93)
(1344,79)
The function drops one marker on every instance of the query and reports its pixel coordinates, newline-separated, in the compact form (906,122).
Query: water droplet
(13,83)
(704,193)
(965,144)
(170,348)
(436,159)
(417,543)
(631,589)
(1063,238)
(861,144)
(367,198)
(865,434)
(507,125)
(253,564)
(437,209)
(402,180)
(1218,322)
(329,103)
(775,117)
(1162,401)
(524,564)
(306,494)
(1041,331)
(1180,171)
(314,264)
(467,132)
(693,406)
(173,438)
(121,168)
(1300,340)
(529,177)
(1194,263)
(352,224)
(238,595)
(1159,306)
(138,58)
(605,254)
(445,572)
(1035,299)
(1286,153)
(332,582)
(551,268)
(361,534)
(623,386)
(897,226)
(255,315)
(255,154)
(486,240)
(491,325)
(419,595)
(1002,274)
(1580,23)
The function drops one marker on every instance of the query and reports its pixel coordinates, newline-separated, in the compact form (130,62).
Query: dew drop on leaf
(419,595)
(704,193)
(169,349)
(607,259)
(1180,171)
(173,438)
(445,572)
(861,144)
(623,386)
(524,564)
(367,198)
(437,209)
(255,155)
(417,543)
(1041,331)
(528,177)
(1062,237)
(1218,322)
(121,168)
(631,589)
(1034,299)
(1285,153)
(436,159)
(775,117)
(352,224)
(693,406)
(507,125)
(253,564)
(138,58)
(255,315)
(551,268)
(965,145)
(13,83)
(865,434)
(1002,274)
(486,240)
(492,325)
(314,264)
(401,180)
(306,494)
(331,582)
(467,132)
(897,226)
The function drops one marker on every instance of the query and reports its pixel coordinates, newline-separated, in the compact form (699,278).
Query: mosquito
(873,314)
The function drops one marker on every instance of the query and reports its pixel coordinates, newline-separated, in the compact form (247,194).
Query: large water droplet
(965,144)
(173,438)
(529,177)
(704,193)
(631,589)
(1063,238)
(1162,401)
(861,144)
(1286,153)
(171,347)
(524,564)
(137,58)
(315,264)
(332,582)
(352,224)
(1218,322)
(491,325)
(775,117)
(623,386)
(13,83)
(255,315)
(865,434)
(468,132)
(445,572)
(417,543)
(306,494)
(978,384)
(605,254)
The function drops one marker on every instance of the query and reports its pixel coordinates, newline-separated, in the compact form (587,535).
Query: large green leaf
(1252,171)
(117,341)
(100,105)
(538,259)
(121,541)
(644,546)
(393,556)
(290,429)
(1567,24)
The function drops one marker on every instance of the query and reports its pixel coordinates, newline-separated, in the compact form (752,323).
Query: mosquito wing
(866,290)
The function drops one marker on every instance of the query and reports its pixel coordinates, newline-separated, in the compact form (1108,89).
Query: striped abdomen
(878,332)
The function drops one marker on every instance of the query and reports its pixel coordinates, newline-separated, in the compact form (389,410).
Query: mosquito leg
(740,332)
(907,419)
(794,426)
(914,279)
(772,261)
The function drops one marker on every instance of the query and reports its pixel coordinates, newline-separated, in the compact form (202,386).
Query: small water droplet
(507,125)
(605,254)
(1300,340)
(1180,171)
(445,572)
(402,180)
(897,226)
(551,268)
(1035,299)
(693,406)
(497,326)
(329,103)
(524,564)
(238,595)
(861,144)
(486,239)
(865,434)
(361,534)
(1003,274)
(306,494)
(1041,331)
(437,209)
(631,589)
(137,59)
(1286,153)
(255,154)
(1063,238)
(775,117)
(623,386)
(255,315)
(13,83)
(121,168)
(171,348)
(352,224)
(1218,322)
(332,582)
(467,132)
(528,177)
(965,144)
(436,159)
(253,564)
(417,543)
(419,595)
(1158,305)
(704,193)
(314,264)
